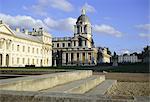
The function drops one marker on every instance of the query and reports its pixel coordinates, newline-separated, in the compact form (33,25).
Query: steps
(40,82)
(102,88)
(79,86)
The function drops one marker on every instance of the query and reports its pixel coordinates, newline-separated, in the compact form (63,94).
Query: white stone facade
(128,58)
(18,49)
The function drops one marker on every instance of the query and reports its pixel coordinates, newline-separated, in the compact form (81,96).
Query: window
(33,61)
(28,49)
(37,50)
(12,60)
(80,42)
(74,43)
(23,60)
(17,60)
(17,47)
(63,44)
(85,43)
(69,44)
(23,49)
(28,61)
(12,46)
(37,61)
(32,50)
(58,45)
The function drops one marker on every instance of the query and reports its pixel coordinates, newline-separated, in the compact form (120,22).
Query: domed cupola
(83,18)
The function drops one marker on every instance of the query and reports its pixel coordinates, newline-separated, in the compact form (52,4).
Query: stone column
(86,57)
(80,57)
(64,58)
(75,56)
(69,58)
(3,60)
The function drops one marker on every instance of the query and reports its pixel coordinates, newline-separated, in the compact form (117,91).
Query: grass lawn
(128,68)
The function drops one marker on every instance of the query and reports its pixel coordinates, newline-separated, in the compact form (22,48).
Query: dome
(83,18)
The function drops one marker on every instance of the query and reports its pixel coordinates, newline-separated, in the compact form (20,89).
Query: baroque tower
(83,30)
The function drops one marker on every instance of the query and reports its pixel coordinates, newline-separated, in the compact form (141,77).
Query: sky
(121,25)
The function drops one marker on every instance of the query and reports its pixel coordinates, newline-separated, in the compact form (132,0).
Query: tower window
(80,42)
(63,44)
(69,44)
(58,45)
(74,43)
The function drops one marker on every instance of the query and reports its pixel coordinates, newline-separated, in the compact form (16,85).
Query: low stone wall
(36,83)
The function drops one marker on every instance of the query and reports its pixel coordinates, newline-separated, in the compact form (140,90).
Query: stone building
(76,50)
(20,48)
(126,58)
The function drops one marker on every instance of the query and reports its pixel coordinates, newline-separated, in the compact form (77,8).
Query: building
(76,50)
(20,48)
(79,49)
(126,58)
(103,55)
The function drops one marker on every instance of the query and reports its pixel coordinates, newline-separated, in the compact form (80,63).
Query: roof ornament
(83,11)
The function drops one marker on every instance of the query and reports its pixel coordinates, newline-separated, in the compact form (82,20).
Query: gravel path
(130,89)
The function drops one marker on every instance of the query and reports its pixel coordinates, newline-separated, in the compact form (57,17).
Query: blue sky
(121,25)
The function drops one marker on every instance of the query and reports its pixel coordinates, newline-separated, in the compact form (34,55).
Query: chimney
(17,29)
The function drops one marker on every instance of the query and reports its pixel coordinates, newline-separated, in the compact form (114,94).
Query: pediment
(6,30)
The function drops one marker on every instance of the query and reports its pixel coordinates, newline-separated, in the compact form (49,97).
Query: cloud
(22,21)
(144,35)
(42,5)
(106,29)
(145,30)
(48,23)
(60,24)
(89,8)
(143,26)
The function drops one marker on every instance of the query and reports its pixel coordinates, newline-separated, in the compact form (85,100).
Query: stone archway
(1,59)
(7,60)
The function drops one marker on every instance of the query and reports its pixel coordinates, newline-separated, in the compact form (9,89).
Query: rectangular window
(12,46)
(29,49)
(17,47)
(23,60)
(63,44)
(66,58)
(58,45)
(32,50)
(37,50)
(69,44)
(17,60)
(23,49)
(74,43)
(85,43)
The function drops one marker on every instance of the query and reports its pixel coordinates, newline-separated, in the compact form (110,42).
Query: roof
(27,36)
(83,18)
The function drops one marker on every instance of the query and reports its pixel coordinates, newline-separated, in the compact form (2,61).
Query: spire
(83,11)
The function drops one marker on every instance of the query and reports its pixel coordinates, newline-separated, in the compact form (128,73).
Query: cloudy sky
(121,25)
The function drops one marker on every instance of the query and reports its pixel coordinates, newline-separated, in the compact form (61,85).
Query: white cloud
(145,30)
(144,35)
(41,7)
(48,23)
(106,29)
(22,21)
(89,8)
(143,26)
(61,24)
